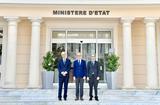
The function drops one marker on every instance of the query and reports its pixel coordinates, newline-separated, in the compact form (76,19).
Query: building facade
(130,29)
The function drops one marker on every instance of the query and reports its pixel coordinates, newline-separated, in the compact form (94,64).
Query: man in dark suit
(93,74)
(64,66)
(79,73)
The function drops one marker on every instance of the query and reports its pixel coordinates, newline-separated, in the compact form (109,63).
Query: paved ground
(106,97)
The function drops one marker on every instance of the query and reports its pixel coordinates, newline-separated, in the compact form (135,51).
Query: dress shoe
(59,99)
(90,99)
(96,98)
(81,99)
(65,99)
(76,99)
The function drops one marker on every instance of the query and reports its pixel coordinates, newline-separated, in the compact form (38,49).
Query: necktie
(64,61)
(79,62)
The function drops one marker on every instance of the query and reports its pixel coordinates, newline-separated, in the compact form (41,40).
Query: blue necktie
(64,61)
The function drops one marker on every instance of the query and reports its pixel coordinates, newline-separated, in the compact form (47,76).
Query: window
(104,34)
(81,34)
(58,34)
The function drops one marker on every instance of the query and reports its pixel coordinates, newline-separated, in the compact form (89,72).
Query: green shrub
(49,61)
(111,62)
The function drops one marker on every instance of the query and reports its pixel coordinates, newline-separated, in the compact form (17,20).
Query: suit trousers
(93,82)
(79,87)
(63,80)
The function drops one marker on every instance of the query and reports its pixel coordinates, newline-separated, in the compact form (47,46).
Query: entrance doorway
(97,42)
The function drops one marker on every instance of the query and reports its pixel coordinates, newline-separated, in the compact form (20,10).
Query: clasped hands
(88,78)
(85,78)
(64,73)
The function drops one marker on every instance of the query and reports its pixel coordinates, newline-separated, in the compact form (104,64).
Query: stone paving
(106,97)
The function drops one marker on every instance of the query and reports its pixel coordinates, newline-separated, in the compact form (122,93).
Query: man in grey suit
(79,73)
(93,74)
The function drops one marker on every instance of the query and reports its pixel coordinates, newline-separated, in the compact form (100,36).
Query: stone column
(128,81)
(34,71)
(152,78)
(10,73)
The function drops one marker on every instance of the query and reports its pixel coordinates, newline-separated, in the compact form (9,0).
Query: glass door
(57,48)
(88,49)
(102,49)
(72,49)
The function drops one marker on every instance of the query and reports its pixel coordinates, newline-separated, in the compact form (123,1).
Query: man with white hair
(64,66)
(79,73)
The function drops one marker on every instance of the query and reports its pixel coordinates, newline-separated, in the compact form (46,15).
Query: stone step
(82,103)
(106,97)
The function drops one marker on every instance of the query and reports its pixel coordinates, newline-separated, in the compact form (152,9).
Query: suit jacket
(93,69)
(79,69)
(62,67)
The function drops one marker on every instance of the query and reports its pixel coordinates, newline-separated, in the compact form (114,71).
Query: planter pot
(47,79)
(111,80)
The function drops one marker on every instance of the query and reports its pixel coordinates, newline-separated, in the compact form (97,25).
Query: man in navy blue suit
(79,75)
(64,66)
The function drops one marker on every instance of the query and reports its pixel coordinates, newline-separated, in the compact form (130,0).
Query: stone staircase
(106,97)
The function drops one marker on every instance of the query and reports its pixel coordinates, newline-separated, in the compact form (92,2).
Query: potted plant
(48,65)
(111,66)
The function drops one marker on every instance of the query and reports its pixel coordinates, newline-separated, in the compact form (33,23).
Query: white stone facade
(28,30)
